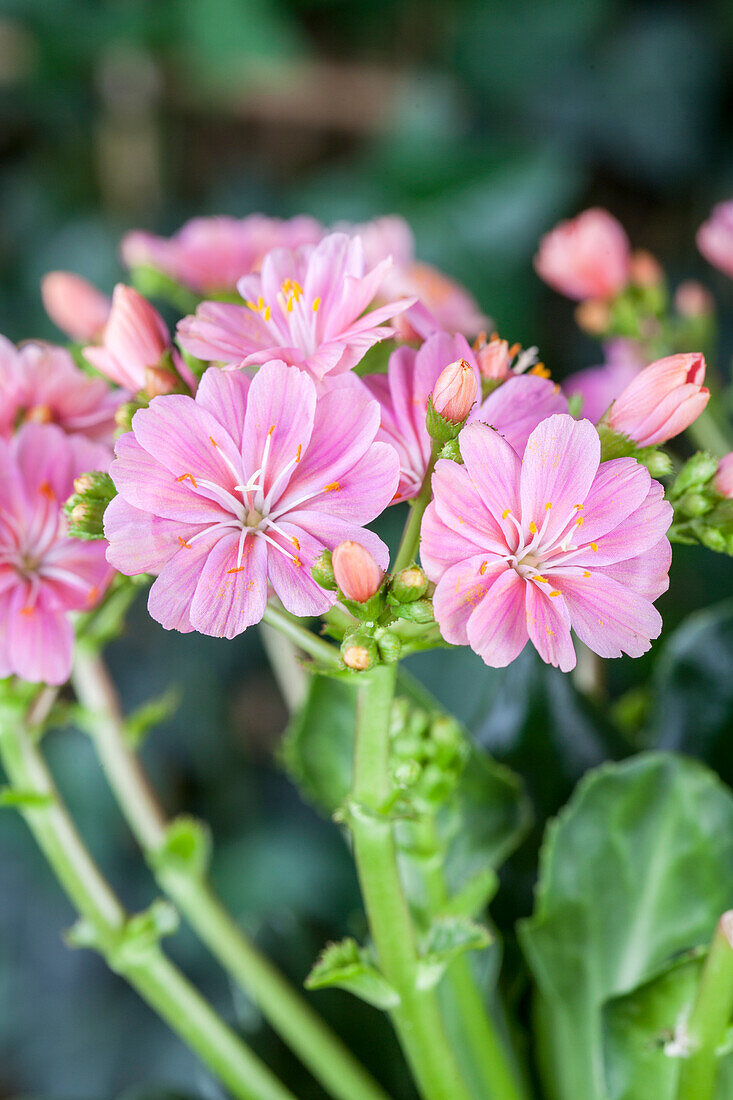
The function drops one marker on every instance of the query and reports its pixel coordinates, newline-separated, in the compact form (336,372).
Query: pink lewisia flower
(75,306)
(209,255)
(515,408)
(443,304)
(586,257)
(135,345)
(527,549)
(599,386)
(357,573)
(246,484)
(41,383)
(661,401)
(715,238)
(43,574)
(724,476)
(305,307)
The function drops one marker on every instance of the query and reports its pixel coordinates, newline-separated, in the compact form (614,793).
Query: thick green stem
(303,639)
(417,1017)
(407,551)
(320,1050)
(149,971)
(710,1017)
(493,1065)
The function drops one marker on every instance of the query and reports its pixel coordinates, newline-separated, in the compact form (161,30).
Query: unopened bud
(75,306)
(692,299)
(85,509)
(419,611)
(356,572)
(693,505)
(409,585)
(644,269)
(695,473)
(593,316)
(359,652)
(494,359)
(724,476)
(390,647)
(455,391)
(161,380)
(322,571)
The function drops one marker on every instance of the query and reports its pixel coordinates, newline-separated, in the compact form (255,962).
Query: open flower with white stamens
(245,485)
(44,574)
(525,549)
(307,307)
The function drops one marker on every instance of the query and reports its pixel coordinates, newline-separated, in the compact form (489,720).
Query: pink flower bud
(645,269)
(356,572)
(135,339)
(587,257)
(692,299)
(715,238)
(662,400)
(74,305)
(455,391)
(724,476)
(495,359)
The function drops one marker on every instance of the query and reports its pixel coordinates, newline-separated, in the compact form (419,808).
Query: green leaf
(317,750)
(474,895)
(637,868)
(640,1056)
(349,967)
(149,715)
(186,848)
(446,939)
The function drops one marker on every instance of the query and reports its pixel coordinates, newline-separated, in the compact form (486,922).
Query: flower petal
(495,469)
(140,542)
(169,599)
(559,466)
(497,628)
(279,418)
(609,617)
(149,486)
(549,628)
(224,395)
(459,590)
(517,406)
(230,597)
(40,642)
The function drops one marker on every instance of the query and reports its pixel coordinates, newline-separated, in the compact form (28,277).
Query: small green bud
(693,505)
(657,462)
(420,611)
(86,507)
(714,539)
(359,652)
(452,451)
(322,572)
(406,774)
(696,472)
(390,647)
(125,413)
(408,585)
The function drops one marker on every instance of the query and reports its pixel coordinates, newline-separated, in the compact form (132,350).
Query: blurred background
(483,123)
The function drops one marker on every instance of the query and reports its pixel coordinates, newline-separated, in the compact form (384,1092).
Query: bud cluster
(86,507)
(428,754)
(702,498)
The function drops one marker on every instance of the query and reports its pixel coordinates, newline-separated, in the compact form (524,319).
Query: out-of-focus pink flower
(515,408)
(599,386)
(662,400)
(357,573)
(495,358)
(210,255)
(443,304)
(454,393)
(527,549)
(43,574)
(586,257)
(75,306)
(715,237)
(40,383)
(307,307)
(724,476)
(135,346)
(645,269)
(246,485)
(692,299)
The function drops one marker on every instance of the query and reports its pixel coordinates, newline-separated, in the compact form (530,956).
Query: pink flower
(715,237)
(454,392)
(42,384)
(245,485)
(599,386)
(515,408)
(75,306)
(307,307)
(357,573)
(724,476)
(43,574)
(135,345)
(587,257)
(209,255)
(661,401)
(527,549)
(443,305)
(692,299)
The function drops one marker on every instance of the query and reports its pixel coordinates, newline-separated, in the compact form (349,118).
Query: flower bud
(410,584)
(455,391)
(359,652)
(695,474)
(692,299)
(75,306)
(494,359)
(586,257)
(135,338)
(84,510)
(322,571)
(644,269)
(593,317)
(724,476)
(661,401)
(356,572)
(390,647)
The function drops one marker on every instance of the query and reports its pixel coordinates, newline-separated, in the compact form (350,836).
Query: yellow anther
(541,370)
(542,580)
(297,563)
(332,487)
(533,527)
(556,592)
(272,429)
(316,304)
(579,521)
(251,305)
(290,304)
(267,314)
(484,566)
(548,506)
(188,477)
(260,302)
(594,547)
(586,572)
(213,441)
(298,453)
(238,569)
(505,513)
(295,543)
(580,507)
(184,544)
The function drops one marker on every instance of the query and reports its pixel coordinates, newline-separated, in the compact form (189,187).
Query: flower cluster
(251,454)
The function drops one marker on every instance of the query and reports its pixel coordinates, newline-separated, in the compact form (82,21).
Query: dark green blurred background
(481,122)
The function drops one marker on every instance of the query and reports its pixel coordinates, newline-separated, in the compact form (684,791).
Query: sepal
(616,445)
(348,966)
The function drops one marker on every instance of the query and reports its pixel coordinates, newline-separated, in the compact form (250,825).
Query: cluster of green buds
(85,508)
(428,754)
(703,504)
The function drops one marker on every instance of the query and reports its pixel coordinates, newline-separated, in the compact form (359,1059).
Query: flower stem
(710,1016)
(320,1050)
(303,638)
(147,970)
(417,1018)
(407,551)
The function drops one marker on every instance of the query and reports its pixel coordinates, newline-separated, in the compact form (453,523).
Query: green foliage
(186,849)
(637,868)
(446,939)
(349,967)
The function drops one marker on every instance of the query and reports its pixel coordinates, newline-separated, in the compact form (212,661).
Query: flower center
(253,518)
